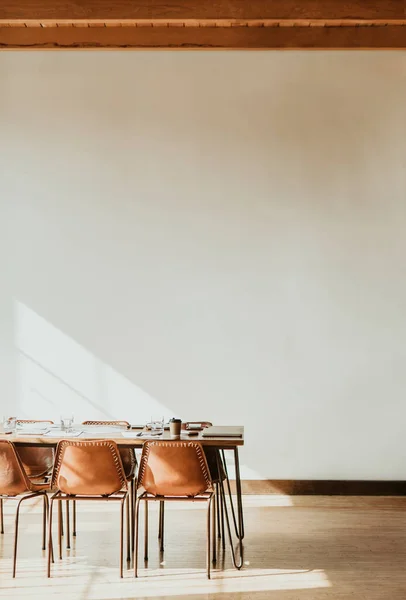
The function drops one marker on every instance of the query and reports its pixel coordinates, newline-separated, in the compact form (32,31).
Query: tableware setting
(67,422)
(156,426)
(62,433)
(9,424)
(141,434)
(38,426)
(104,429)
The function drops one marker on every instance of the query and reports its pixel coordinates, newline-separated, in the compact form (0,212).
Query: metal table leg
(239,529)
(238,563)
(239,494)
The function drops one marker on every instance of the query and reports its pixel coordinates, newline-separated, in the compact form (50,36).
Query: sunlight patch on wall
(56,373)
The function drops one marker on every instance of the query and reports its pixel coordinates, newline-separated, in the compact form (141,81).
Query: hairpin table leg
(237,563)
(239,529)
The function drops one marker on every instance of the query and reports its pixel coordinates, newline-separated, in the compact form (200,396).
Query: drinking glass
(10,424)
(157,426)
(66,422)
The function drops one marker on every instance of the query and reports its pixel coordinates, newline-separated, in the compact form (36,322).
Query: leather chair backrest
(174,469)
(88,468)
(37,462)
(13,480)
(124,424)
(127,454)
(24,421)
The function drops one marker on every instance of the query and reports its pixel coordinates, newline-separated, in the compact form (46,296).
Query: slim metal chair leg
(60,525)
(68,525)
(133,502)
(132,516)
(44,521)
(208,537)
(1,516)
(146,532)
(137,514)
(162,525)
(127,502)
(122,536)
(218,511)
(74,518)
(50,546)
(222,508)
(214,540)
(46,500)
(33,495)
(160,520)
(16,538)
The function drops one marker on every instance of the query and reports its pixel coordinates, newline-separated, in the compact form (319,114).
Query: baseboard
(322,487)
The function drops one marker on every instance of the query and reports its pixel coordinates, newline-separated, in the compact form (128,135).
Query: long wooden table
(221,443)
(224,443)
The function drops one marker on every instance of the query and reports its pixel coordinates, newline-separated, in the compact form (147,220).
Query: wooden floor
(298,548)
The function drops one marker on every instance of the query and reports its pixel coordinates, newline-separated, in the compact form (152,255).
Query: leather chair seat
(37,462)
(212,454)
(217,474)
(129,461)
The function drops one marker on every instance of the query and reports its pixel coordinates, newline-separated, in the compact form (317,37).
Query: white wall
(211,235)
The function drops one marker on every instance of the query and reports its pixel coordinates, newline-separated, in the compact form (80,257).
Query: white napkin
(63,434)
(33,427)
(96,429)
(32,431)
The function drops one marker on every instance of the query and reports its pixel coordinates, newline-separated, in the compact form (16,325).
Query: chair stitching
(197,447)
(65,444)
(126,423)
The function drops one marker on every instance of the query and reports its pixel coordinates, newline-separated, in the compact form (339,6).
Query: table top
(20,439)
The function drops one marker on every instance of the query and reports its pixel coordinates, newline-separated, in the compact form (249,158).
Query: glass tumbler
(157,426)
(10,424)
(67,422)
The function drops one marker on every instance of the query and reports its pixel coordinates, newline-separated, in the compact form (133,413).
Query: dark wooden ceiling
(200,24)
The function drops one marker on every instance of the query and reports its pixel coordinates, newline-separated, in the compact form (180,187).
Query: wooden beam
(368,37)
(322,487)
(55,10)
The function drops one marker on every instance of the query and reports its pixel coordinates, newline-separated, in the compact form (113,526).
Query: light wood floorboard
(296,548)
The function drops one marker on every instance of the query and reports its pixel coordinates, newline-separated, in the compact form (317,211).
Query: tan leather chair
(215,466)
(173,471)
(217,474)
(129,461)
(127,454)
(91,471)
(37,462)
(14,482)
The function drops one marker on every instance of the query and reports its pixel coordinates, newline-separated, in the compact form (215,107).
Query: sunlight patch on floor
(254,501)
(78,579)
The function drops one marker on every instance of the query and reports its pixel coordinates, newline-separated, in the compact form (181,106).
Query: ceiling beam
(342,37)
(369,10)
